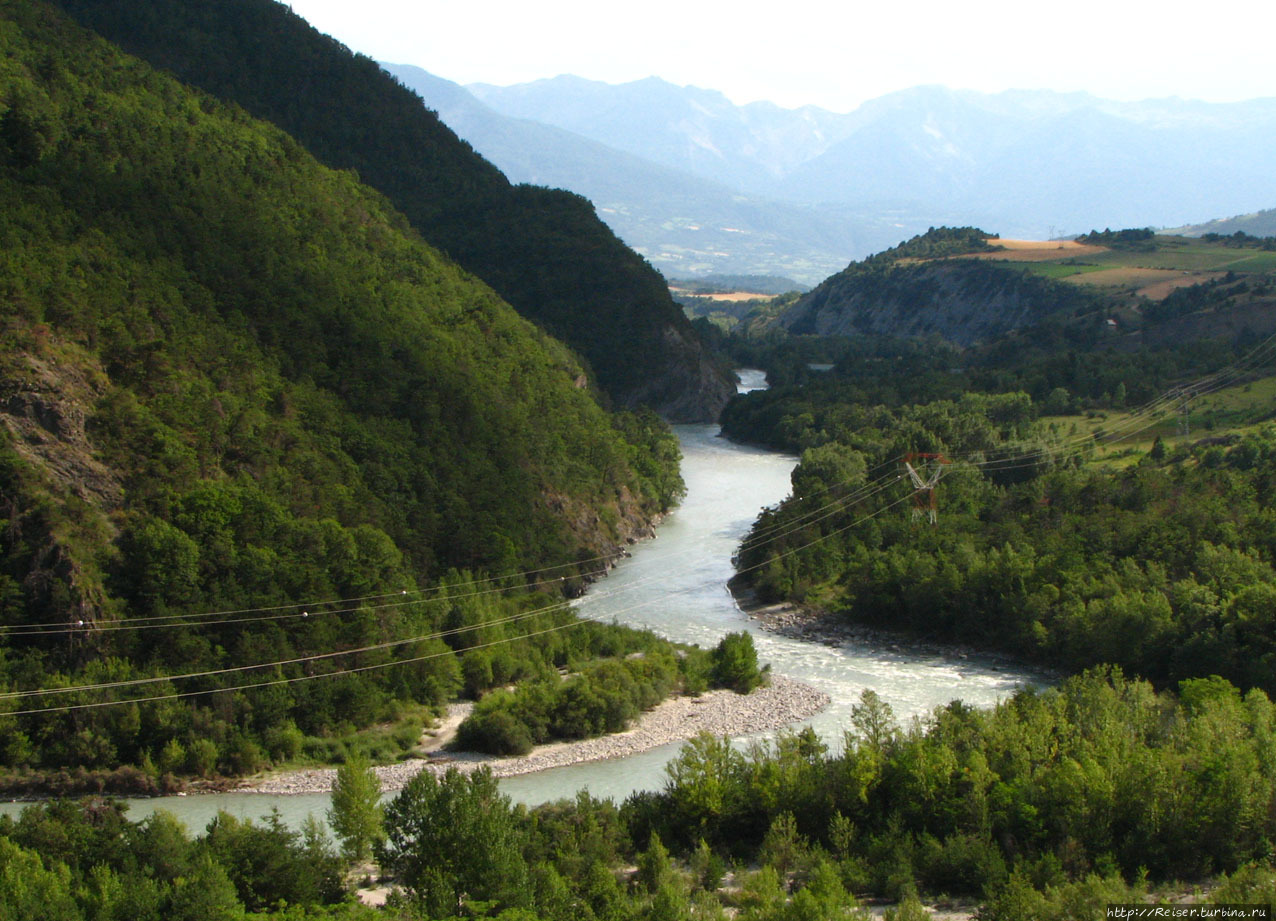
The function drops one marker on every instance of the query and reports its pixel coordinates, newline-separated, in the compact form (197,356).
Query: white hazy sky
(832,53)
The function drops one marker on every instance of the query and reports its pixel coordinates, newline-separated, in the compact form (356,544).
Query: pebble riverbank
(782,703)
(816,625)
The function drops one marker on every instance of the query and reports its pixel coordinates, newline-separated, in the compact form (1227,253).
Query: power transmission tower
(925,477)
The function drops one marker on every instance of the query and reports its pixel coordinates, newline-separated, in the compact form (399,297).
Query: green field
(1125,436)
(1174,253)
(1259,262)
(1061,269)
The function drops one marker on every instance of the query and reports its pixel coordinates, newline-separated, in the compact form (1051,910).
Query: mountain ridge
(251,420)
(544,251)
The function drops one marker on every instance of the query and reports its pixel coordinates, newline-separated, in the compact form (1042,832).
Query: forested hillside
(544,251)
(1260,223)
(235,383)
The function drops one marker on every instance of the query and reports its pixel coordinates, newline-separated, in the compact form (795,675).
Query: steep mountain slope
(232,378)
(683,223)
(543,251)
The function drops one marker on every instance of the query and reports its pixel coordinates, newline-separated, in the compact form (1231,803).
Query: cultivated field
(732,297)
(1170,262)
(1039,250)
(1154,284)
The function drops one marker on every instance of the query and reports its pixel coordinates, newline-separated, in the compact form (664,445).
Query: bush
(735,664)
(201,757)
(497,732)
(603,698)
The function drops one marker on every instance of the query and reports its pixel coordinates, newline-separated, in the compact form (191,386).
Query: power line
(863,492)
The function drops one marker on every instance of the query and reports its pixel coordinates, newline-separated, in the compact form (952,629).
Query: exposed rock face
(44,408)
(693,386)
(606,532)
(963,301)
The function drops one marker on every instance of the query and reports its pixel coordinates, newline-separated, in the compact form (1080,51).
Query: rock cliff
(964,301)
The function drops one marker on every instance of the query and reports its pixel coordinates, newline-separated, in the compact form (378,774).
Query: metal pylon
(924,482)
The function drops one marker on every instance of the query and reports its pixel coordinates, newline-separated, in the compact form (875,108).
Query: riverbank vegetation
(1090,492)
(1049,806)
(606,695)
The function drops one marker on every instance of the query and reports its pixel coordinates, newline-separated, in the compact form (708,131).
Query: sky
(831,53)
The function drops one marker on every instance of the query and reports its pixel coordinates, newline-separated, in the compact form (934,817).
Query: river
(677,586)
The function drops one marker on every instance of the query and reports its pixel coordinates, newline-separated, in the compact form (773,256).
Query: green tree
(356,815)
(31,891)
(874,721)
(654,866)
(207,894)
(826,468)
(735,663)
(454,839)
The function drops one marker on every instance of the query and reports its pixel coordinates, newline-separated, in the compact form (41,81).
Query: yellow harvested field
(1038,250)
(731,297)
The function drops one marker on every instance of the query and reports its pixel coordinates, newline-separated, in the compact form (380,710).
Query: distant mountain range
(1258,224)
(687,225)
(698,184)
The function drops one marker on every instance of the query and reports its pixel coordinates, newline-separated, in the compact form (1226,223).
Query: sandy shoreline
(781,704)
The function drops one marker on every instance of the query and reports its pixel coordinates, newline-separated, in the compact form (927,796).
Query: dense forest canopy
(544,251)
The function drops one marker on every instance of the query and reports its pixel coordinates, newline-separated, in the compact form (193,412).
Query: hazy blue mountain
(1025,161)
(685,224)
(687,128)
(1035,160)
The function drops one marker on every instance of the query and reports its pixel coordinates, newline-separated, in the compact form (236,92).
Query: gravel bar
(782,703)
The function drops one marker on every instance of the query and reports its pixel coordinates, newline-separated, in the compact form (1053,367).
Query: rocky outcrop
(960,300)
(693,386)
(44,408)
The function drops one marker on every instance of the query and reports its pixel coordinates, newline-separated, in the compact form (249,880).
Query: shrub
(735,664)
(497,732)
